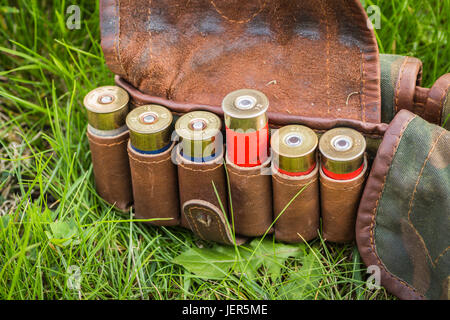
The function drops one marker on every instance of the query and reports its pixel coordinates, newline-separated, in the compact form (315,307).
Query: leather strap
(436,110)
(339,205)
(430,104)
(410,76)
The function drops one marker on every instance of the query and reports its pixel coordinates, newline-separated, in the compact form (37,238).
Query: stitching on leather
(295,185)
(434,100)
(433,147)
(239,21)
(397,90)
(153,162)
(372,223)
(117,39)
(324,14)
(150,47)
(363,86)
(116,11)
(107,144)
(343,189)
(200,170)
(216,216)
(243,175)
(217,220)
(231,169)
(189,219)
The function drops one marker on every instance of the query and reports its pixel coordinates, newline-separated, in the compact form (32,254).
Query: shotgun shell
(150,128)
(342,153)
(200,135)
(246,127)
(107,107)
(294,149)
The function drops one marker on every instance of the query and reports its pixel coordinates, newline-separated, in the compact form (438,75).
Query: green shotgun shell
(245,109)
(150,127)
(107,107)
(199,132)
(342,150)
(294,148)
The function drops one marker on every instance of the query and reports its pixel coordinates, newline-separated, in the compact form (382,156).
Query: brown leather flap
(317,61)
(209,222)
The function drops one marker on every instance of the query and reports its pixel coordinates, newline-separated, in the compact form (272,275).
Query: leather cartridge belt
(178,173)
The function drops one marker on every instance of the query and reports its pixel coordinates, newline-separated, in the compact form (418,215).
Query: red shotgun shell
(247,128)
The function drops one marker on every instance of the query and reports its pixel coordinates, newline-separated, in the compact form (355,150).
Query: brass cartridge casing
(150,127)
(107,107)
(199,132)
(245,109)
(294,148)
(342,150)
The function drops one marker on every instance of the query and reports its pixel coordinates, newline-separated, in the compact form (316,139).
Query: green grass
(52,217)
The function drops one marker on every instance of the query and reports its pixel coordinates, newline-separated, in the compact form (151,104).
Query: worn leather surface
(437,104)
(403,218)
(276,119)
(209,222)
(408,78)
(196,180)
(111,169)
(339,204)
(155,187)
(317,61)
(300,221)
(251,196)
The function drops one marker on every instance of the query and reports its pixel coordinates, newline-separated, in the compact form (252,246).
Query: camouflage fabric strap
(392,74)
(401,79)
(404,218)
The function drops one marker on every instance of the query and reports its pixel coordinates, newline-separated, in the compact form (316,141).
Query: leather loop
(251,195)
(436,109)
(155,187)
(408,78)
(339,205)
(209,222)
(195,181)
(430,104)
(111,168)
(300,220)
